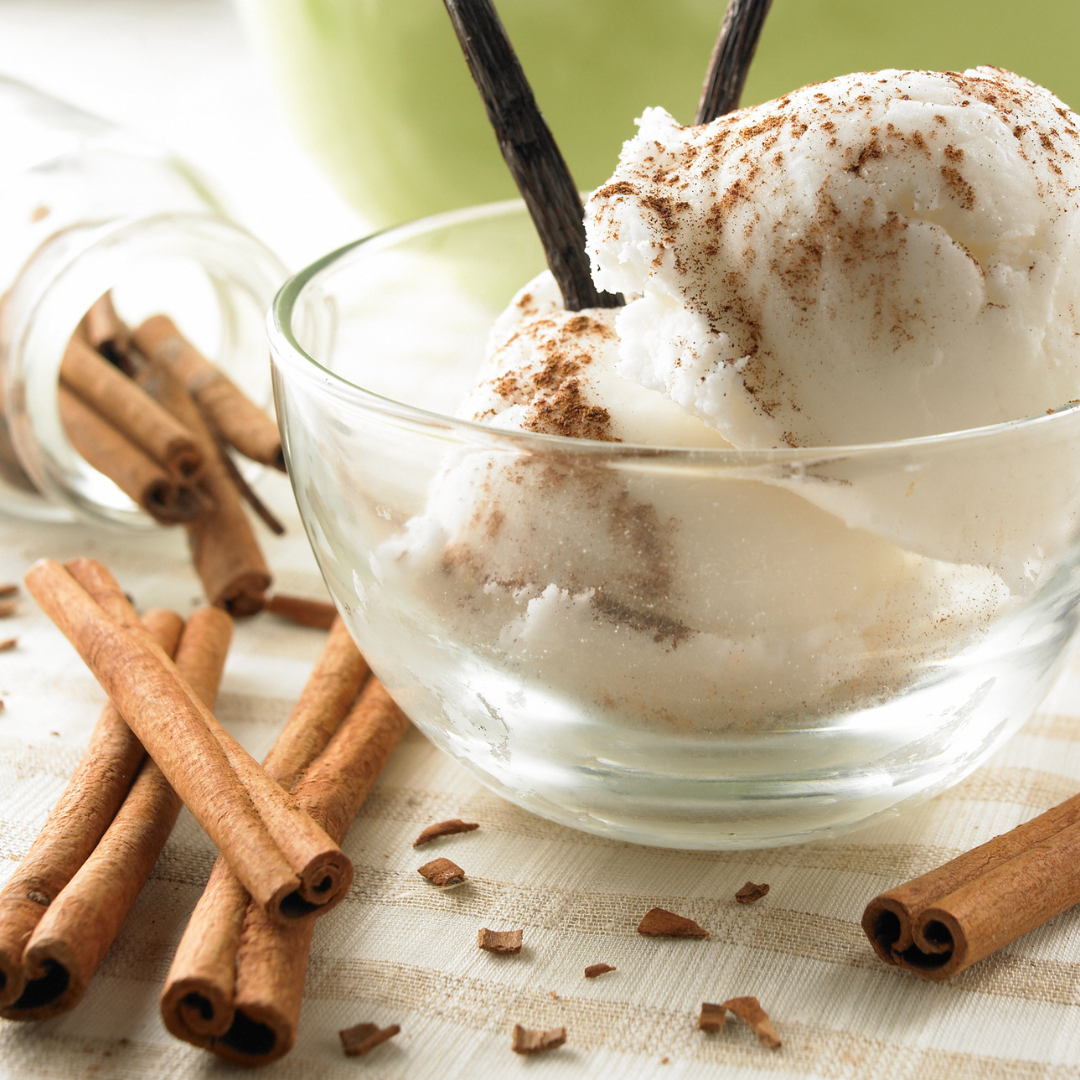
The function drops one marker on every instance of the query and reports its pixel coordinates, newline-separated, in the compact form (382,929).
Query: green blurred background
(379,91)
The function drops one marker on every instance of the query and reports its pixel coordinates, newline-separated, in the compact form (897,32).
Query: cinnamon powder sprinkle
(445,828)
(442,872)
(530,1041)
(364,1037)
(751,892)
(598,969)
(504,942)
(748,1010)
(661,923)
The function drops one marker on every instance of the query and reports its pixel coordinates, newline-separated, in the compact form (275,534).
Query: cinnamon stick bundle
(227,408)
(142,479)
(130,410)
(246,1007)
(224,548)
(287,862)
(77,929)
(943,922)
(78,821)
(199,988)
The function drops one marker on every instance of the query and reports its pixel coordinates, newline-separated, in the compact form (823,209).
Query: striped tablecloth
(399,951)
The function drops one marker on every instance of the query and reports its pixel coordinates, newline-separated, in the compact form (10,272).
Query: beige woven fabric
(399,951)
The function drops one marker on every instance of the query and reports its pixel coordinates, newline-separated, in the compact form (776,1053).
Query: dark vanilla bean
(731,58)
(529,150)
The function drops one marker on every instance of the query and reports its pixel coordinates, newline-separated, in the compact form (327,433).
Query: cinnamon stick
(224,550)
(314,613)
(77,929)
(142,479)
(267,982)
(245,426)
(529,149)
(731,57)
(105,331)
(77,822)
(943,922)
(287,862)
(130,410)
(198,995)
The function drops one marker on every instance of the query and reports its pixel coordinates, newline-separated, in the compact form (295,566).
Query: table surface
(398,951)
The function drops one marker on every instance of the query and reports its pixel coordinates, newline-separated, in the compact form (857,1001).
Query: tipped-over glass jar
(86,209)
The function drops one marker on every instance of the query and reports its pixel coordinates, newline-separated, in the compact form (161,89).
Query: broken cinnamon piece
(8,589)
(364,1037)
(504,942)
(445,828)
(750,1012)
(712,1017)
(593,970)
(530,1041)
(243,424)
(661,923)
(314,613)
(442,872)
(130,410)
(8,608)
(750,892)
(8,643)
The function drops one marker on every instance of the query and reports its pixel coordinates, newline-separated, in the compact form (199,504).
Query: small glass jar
(87,208)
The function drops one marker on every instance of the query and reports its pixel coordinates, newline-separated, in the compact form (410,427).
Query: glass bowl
(690,648)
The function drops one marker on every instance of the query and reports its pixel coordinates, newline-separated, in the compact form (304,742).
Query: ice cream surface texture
(883,256)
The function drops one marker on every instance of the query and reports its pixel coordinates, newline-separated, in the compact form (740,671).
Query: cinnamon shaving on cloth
(445,828)
(748,1010)
(659,922)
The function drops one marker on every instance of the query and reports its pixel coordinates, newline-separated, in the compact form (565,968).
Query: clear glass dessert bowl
(697,648)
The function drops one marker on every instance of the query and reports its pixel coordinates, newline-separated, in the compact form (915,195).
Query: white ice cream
(879,257)
(876,258)
(659,596)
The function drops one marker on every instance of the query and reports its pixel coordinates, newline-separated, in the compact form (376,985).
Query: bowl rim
(286,350)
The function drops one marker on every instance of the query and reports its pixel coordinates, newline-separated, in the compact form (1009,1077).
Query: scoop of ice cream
(878,257)
(687,597)
(874,258)
(552,371)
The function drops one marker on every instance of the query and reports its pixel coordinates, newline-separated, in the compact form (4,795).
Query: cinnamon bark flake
(750,893)
(532,1041)
(442,872)
(445,828)
(659,922)
(504,942)
(593,970)
(361,1038)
